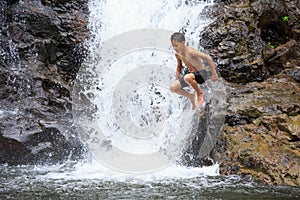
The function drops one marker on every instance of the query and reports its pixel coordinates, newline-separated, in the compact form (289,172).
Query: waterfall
(123,108)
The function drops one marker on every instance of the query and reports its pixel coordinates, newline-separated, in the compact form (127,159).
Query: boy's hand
(214,77)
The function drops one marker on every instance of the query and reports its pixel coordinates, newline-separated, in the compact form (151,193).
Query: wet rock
(42,47)
(46,147)
(51,147)
(12,151)
(191,157)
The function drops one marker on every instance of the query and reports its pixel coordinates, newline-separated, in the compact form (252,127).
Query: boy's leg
(177,88)
(190,79)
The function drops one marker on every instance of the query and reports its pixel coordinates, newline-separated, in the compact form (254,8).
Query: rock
(261,134)
(260,31)
(12,151)
(46,147)
(51,147)
(282,50)
(42,46)
(268,51)
(294,73)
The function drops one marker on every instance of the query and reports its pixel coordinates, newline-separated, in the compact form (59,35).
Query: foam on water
(95,171)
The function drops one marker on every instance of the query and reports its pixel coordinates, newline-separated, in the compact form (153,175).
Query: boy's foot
(192,99)
(200,99)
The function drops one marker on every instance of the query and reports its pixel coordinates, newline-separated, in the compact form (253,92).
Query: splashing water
(129,119)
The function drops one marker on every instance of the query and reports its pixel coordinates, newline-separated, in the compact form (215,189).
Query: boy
(196,71)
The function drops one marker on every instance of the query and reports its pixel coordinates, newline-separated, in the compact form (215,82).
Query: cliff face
(257,50)
(41,51)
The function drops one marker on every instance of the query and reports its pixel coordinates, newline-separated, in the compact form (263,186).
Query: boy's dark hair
(178,37)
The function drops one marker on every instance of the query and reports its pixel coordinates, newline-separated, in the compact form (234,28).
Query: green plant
(271,45)
(285,18)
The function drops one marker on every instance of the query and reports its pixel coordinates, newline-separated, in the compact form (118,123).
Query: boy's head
(178,40)
(179,37)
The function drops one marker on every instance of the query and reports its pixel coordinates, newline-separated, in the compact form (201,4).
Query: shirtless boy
(196,71)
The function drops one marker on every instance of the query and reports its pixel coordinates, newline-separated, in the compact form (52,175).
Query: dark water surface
(93,182)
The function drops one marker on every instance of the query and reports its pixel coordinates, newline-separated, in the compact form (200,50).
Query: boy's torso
(194,63)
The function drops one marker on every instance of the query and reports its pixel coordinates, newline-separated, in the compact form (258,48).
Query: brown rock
(267,147)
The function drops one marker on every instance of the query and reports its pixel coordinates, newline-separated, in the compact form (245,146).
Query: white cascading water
(110,18)
(122,101)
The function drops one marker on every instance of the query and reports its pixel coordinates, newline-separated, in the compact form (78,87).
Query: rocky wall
(254,40)
(256,48)
(42,47)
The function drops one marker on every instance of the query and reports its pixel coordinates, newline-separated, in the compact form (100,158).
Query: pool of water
(92,181)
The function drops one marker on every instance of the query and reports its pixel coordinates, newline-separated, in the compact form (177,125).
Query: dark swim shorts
(200,77)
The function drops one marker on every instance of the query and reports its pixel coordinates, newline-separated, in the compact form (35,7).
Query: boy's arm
(179,66)
(211,64)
